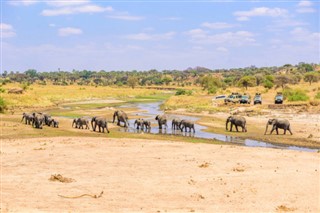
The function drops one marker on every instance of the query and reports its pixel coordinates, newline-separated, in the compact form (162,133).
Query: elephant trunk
(266,128)
(114,117)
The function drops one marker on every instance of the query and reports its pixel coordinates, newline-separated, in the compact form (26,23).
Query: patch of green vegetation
(317,96)
(149,98)
(183,92)
(295,95)
(3,105)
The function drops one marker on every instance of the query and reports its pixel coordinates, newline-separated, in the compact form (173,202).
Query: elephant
(162,120)
(122,117)
(54,123)
(47,119)
(278,124)
(146,124)
(79,122)
(38,120)
(101,122)
(237,121)
(27,117)
(139,123)
(186,124)
(175,123)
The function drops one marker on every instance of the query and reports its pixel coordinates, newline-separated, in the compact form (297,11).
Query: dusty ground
(155,176)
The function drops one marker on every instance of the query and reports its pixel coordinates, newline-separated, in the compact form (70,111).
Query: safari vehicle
(233,98)
(279,98)
(245,99)
(219,97)
(257,99)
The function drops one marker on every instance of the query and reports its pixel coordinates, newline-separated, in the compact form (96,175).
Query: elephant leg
(118,124)
(284,131)
(237,128)
(231,126)
(289,129)
(273,128)
(160,126)
(277,131)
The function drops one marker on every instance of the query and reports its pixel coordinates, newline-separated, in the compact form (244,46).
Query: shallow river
(151,110)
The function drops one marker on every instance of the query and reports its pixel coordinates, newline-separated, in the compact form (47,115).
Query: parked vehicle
(218,97)
(279,98)
(245,99)
(257,99)
(234,98)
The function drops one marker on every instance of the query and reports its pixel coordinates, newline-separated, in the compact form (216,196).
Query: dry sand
(154,176)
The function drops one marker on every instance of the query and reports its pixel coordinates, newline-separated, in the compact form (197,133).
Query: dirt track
(155,176)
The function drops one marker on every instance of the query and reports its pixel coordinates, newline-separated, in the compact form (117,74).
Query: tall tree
(247,81)
(132,81)
(311,77)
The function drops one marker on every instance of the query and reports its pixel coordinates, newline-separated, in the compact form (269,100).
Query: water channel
(149,111)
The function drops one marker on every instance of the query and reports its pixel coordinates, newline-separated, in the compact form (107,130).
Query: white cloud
(76,10)
(148,37)
(222,49)
(305,7)
(260,11)
(238,38)
(305,4)
(127,17)
(304,35)
(216,25)
(59,3)
(69,31)
(7,30)
(22,2)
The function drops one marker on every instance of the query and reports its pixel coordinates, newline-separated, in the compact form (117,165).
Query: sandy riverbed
(155,176)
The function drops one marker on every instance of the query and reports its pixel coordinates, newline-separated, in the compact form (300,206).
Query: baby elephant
(55,123)
(139,123)
(175,123)
(187,124)
(146,124)
(278,124)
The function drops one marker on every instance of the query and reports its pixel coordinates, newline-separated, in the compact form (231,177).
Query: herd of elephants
(38,120)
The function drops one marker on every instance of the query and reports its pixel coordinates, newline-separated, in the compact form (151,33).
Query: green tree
(132,81)
(282,80)
(311,77)
(167,79)
(247,81)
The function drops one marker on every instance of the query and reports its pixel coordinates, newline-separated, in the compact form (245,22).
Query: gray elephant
(146,125)
(101,122)
(278,124)
(162,120)
(47,119)
(121,117)
(80,122)
(27,117)
(236,121)
(175,123)
(184,124)
(54,123)
(139,123)
(38,120)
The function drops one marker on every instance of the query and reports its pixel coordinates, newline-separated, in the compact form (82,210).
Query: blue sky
(144,35)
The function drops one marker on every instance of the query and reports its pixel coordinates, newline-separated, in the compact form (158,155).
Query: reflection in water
(150,110)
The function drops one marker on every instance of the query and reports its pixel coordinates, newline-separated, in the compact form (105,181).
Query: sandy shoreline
(155,176)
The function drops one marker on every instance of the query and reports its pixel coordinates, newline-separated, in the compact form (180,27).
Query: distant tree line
(208,79)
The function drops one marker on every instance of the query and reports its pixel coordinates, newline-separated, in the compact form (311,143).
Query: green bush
(295,95)
(317,96)
(3,105)
(267,84)
(212,90)
(183,92)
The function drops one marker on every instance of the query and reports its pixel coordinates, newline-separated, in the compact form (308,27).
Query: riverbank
(154,176)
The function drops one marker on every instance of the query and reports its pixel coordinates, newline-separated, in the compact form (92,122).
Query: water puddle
(150,110)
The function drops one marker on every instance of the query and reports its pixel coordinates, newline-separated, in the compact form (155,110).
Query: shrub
(295,95)
(3,105)
(183,92)
(2,90)
(267,84)
(317,96)
(212,90)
